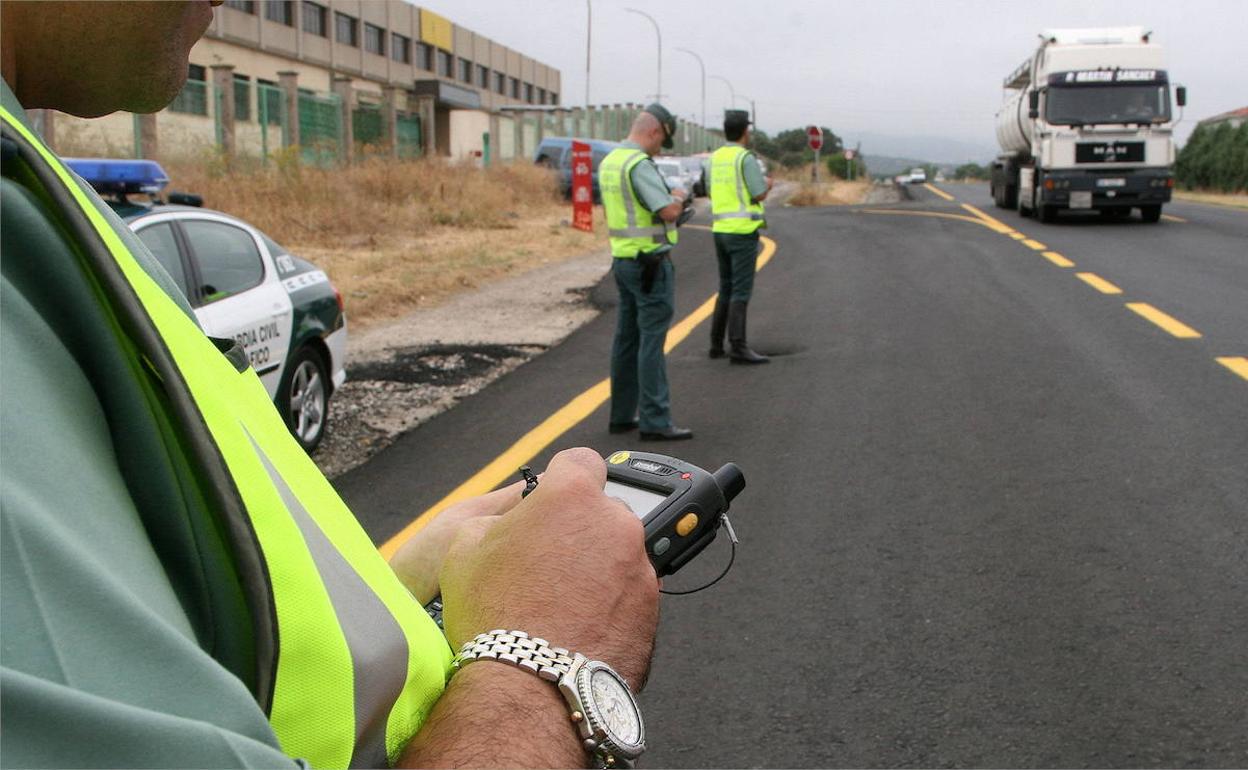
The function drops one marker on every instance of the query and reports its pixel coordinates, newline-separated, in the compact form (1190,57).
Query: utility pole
(703,67)
(658,94)
(589,35)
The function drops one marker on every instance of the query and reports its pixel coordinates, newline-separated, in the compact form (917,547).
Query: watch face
(615,707)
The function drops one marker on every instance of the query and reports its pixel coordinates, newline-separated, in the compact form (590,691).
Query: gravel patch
(403,373)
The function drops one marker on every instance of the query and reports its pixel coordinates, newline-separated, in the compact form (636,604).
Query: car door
(239,293)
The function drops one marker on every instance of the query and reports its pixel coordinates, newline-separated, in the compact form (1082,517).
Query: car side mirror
(1180,96)
(1033,105)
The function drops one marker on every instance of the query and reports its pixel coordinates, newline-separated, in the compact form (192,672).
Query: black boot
(740,352)
(719,322)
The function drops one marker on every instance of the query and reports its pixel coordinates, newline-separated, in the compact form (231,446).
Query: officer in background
(182,587)
(641,215)
(737,190)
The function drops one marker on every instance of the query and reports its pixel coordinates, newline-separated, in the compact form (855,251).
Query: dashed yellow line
(1058,259)
(1237,364)
(1017,236)
(1098,283)
(504,466)
(1034,245)
(1167,322)
(1173,218)
(936,214)
(993,223)
(938,191)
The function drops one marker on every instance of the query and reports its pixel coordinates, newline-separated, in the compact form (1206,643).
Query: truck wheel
(303,397)
(1009,198)
(1150,214)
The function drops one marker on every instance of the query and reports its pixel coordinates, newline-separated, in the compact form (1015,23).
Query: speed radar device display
(1087,124)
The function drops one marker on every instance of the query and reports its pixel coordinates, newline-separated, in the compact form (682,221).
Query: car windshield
(669,168)
(1084,105)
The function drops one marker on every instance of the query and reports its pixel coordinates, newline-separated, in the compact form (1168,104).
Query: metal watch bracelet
(519,649)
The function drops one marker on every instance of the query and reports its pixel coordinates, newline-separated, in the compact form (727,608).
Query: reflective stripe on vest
(356,663)
(732,211)
(631,228)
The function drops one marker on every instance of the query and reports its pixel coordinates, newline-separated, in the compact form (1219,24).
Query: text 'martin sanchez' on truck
(1087,124)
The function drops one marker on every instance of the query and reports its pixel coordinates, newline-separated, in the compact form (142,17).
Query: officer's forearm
(493,715)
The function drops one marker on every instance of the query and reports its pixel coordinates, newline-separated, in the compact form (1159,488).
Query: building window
(465,70)
(242,97)
(424,57)
(193,98)
(400,48)
(314,19)
(541,96)
(444,63)
(483,76)
(514,86)
(554,98)
(280,11)
(500,83)
(528,92)
(246,6)
(346,30)
(374,39)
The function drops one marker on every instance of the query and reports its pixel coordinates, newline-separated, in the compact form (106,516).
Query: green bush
(838,166)
(1215,159)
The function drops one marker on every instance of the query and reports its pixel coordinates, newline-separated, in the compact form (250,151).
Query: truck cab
(1089,126)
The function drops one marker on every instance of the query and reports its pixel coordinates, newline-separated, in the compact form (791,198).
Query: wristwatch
(602,707)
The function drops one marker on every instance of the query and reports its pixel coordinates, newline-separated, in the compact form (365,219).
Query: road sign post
(814,135)
(849,156)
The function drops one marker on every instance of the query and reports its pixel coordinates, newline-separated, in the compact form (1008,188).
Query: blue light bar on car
(120,176)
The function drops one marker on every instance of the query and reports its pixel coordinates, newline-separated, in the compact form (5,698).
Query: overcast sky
(862,67)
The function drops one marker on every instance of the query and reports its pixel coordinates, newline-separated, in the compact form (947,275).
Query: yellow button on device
(687,524)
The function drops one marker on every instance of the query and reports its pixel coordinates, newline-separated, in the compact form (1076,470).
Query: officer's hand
(419,560)
(567,564)
(680,193)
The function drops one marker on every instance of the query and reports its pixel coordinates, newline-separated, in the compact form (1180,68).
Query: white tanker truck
(1087,125)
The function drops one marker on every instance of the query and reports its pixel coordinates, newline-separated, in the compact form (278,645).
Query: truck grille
(1109,152)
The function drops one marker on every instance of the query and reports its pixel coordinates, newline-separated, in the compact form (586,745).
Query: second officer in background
(641,224)
(737,189)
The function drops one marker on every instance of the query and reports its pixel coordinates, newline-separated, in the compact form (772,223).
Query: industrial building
(333,77)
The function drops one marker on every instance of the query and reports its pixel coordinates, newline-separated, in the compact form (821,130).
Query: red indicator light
(686,476)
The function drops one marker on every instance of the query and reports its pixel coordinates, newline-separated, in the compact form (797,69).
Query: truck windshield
(1086,105)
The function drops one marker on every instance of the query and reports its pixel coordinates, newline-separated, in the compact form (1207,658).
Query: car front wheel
(303,398)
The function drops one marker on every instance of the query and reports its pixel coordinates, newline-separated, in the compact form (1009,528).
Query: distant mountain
(929,149)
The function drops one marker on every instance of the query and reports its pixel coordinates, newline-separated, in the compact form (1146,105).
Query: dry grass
(835,193)
(1234,200)
(396,235)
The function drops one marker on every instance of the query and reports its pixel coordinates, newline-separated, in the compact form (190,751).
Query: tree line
(1215,159)
(791,149)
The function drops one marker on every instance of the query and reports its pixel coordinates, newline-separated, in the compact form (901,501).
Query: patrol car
(242,285)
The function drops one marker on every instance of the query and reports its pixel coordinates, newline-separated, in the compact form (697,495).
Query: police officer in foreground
(182,587)
(737,189)
(641,224)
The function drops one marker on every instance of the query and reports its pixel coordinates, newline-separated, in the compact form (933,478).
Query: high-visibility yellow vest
(631,228)
(732,211)
(348,663)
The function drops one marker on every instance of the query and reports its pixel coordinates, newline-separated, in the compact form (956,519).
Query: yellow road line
(1237,364)
(1172,218)
(937,214)
(504,466)
(938,191)
(995,224)
(1099,283)
(1169,323)
(1058,259)
(1017,236)
(1034,245)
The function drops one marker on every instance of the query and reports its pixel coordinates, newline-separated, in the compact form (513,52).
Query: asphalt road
(994,516)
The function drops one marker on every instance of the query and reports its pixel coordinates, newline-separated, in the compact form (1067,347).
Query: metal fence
(320,128)
(407,137)
(272,111)
(367,127)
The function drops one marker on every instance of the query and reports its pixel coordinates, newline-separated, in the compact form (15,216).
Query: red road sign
(582,188)
(849,155)
(815,135)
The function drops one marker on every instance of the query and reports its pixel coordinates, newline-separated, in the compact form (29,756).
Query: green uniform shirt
(648,183)
(127,640)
